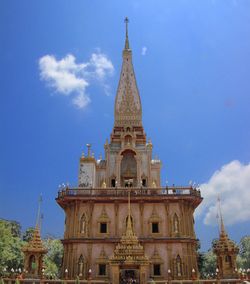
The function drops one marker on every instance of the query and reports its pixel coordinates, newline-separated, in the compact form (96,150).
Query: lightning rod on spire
(38,218)
(222,228)
(126,21)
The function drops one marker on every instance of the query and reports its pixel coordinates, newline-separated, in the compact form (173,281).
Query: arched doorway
(32,264)
(129,275)
(128,169)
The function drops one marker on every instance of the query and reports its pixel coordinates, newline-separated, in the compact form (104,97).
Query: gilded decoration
(226,251)
(35,244)
(129,251)
(33,255)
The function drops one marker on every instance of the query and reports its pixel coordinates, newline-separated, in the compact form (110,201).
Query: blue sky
(192,64)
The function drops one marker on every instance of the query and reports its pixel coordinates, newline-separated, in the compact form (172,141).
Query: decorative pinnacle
(129,229)
(39,216)
(89,149)
(126,21)
(222,227)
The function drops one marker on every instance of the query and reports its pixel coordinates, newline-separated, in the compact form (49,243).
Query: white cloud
(67,77)
(81,100)
(232,184)
(144,50)
(102,65)
(62,74)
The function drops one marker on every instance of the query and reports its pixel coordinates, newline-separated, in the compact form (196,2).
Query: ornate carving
(129,251)
(84,225)
(128,105)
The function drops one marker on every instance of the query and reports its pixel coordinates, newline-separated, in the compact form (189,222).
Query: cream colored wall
(141,229)
(166,252)
(90,252)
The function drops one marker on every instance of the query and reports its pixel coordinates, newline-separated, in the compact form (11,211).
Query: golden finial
(129,229)
(126,21)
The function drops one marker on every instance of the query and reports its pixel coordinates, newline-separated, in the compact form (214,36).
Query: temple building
(226,252)
(34,252)
(120,222)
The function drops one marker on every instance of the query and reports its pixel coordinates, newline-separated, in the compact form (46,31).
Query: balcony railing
(123,191)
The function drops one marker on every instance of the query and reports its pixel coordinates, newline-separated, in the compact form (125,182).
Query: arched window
(144,182)
(113,182)
(32,264)
(128,168)
(81,266)
(178,266)
(176,224)
(228,260)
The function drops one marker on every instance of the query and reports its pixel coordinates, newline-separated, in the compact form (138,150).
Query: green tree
(53,258)
(206,260)
(214,242)
(15,228)
(243,259)
(11,255)
(28,234)
(209,264)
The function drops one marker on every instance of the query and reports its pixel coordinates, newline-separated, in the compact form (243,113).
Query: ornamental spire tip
(126,21)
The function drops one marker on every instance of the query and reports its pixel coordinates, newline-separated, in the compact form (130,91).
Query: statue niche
(128,169)
(84,225)
(32,264)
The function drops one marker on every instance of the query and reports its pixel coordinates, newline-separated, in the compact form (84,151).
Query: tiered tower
(34,252)
(96,214)
(226,251)
(129,253)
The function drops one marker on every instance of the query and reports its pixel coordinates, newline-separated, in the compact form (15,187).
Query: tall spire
(34,265)
(129,228)
(126,21)
(225,250)
(38,218)
(222,227)
(129,250)
(128,111)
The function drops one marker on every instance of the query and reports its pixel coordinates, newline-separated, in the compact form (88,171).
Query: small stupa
(129,253)
(226,251)
(34,251)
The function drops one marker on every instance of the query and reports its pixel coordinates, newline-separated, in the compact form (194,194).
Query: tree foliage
(11,255)
(28,234)
(243,259)
(53,258)
(209,264)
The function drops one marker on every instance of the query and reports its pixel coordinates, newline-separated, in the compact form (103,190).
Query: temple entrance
(129,276)
(128,169)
